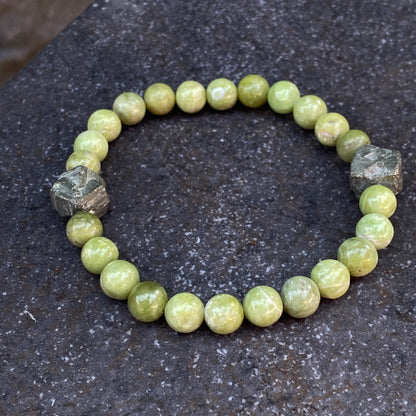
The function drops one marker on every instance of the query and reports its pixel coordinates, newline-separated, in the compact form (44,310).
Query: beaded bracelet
(375,177)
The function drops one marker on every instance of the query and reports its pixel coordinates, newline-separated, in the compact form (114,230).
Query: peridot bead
(359,255)
(221,94)
(106,122)
(300,296)
(307,110)
(330,127)
(191,97)
(130,108)
(252,91)
(147,301)
(378,199)
(92,141)
(184,312)
(97,253)
(282,97)
(84,158)
(332,278)
(224,314)
(118,278)
(376,228)
(83,226)
(348,144)
(159,99)
(262,306)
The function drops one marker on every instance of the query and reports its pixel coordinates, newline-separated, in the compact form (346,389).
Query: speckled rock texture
(209,203)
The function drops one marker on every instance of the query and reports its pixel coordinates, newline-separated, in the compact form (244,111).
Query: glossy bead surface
(221,94)
(92,141)
(159,99)
(300,296)
(378,199)
(376,228)
(330,127)
(83,226)
(184,312)
(97,253)
(191,97)
(252,91)
(262,306)
(130,108)
(83,158)
(224,314)
(348,144)
(307,110)
(106,122)
(332,278)
(118,278)
(282,97)
(147,301)
(358,255)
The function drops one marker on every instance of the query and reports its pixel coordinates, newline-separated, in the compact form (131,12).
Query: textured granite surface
(209,203)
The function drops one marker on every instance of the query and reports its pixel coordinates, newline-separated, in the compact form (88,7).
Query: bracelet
(375,177)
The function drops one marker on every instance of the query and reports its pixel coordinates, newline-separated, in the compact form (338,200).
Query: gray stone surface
(209,202)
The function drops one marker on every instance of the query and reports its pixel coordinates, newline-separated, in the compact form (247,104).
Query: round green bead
(262,306)
(307,110)
(348,144)
(376,228)
(282,97)
(224,314)
(92,141)
(159,99)
(300,296)
(118,278)
(147,301)
(83,226)
(221,94)
(252,91)
(330,127)
(106,122)
(191,97)
(97,253)
(130,108)
(84,158)
(378,199)
(332,278)
(359,255)
(184,312)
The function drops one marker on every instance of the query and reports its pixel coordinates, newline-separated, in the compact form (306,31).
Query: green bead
(359,255)
(130,108)
(378,199)
(118,278)
(83,226)
(332,278)
(106,122)
(330,127)
(307,110)
(184,312)
(282,97)
(300,296)
(376,228)
(349,143)
(159,99)
(191,97)
(252,91)
(97,253)
(84,158)
(92,141)
(224,314)
(147,301)
(262,306)
(221,94)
